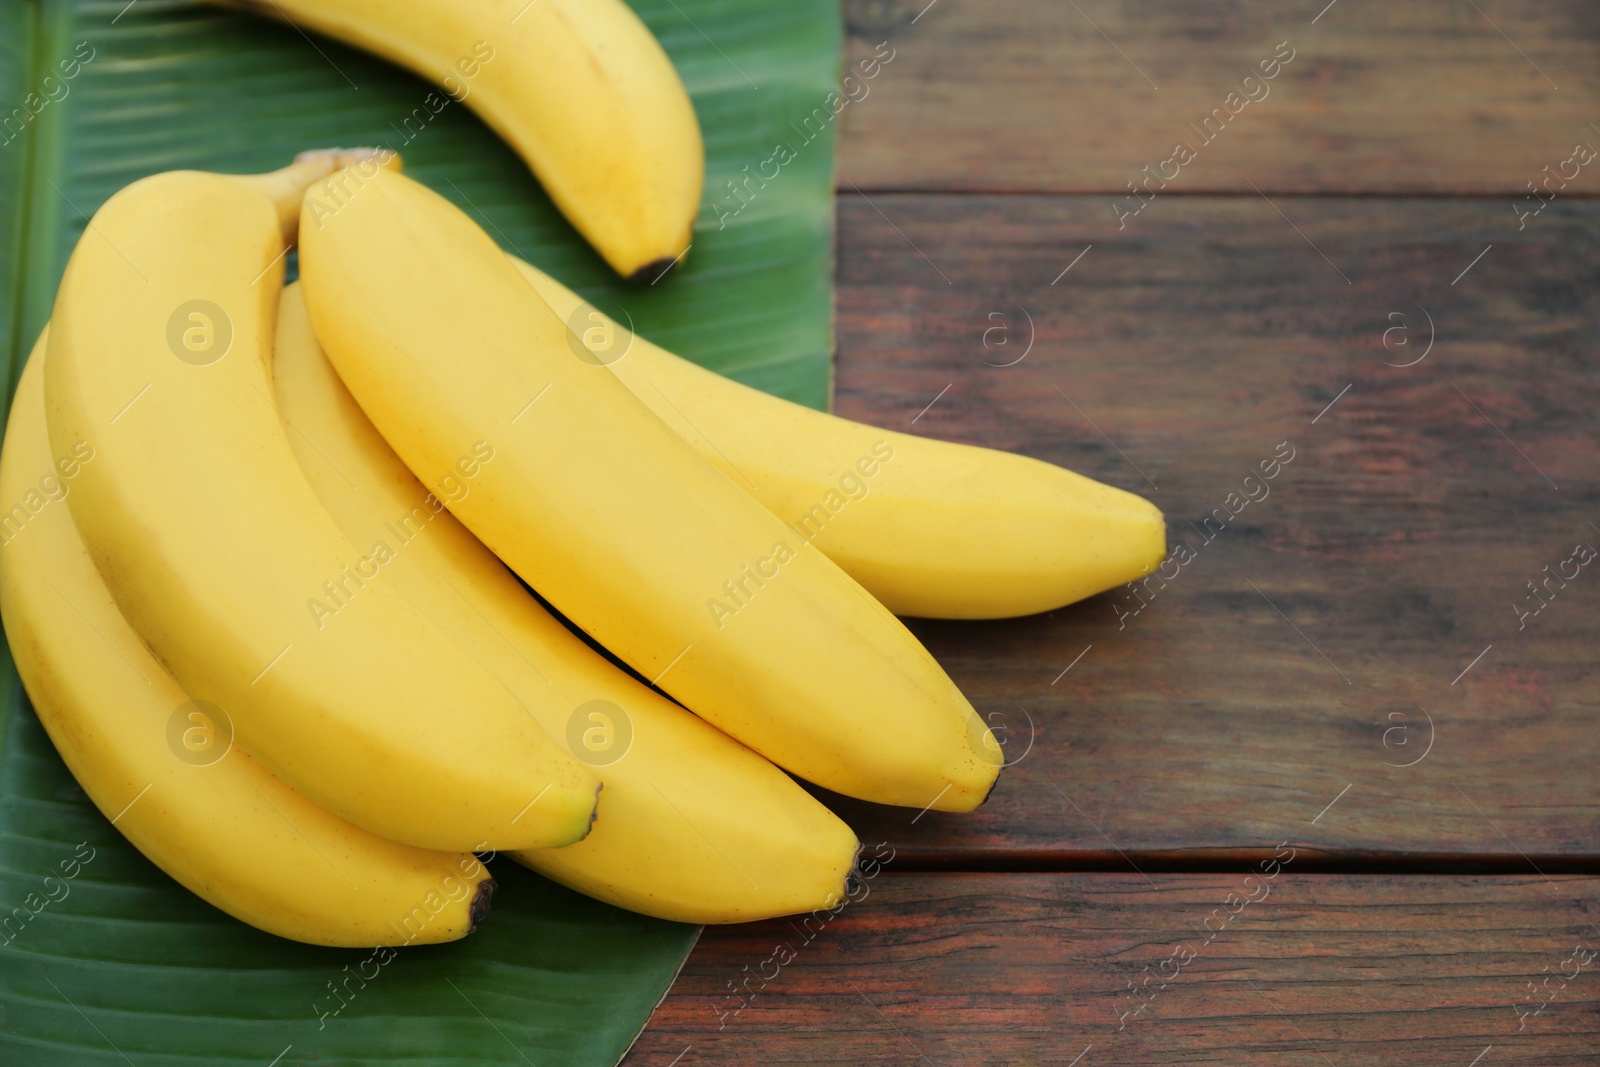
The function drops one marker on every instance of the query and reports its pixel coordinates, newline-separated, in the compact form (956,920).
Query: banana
(693,826)
(930,528)
(613,518)
(158,766)
(223,560)
(579,88)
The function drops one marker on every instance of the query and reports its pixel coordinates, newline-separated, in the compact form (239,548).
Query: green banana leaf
(129,968)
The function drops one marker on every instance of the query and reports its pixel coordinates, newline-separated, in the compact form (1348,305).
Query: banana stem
(286,187)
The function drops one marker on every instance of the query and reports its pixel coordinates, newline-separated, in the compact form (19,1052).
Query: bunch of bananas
(274,519)
(261,555)
(255,562)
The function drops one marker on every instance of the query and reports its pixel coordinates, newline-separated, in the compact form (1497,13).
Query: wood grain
(1296,661)
(1012,970)
(1427,96)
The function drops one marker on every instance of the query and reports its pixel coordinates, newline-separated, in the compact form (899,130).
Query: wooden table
(1330,794)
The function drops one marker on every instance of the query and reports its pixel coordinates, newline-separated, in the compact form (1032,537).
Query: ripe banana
(930,528)
(693,826)
(609,515)
(156,764)
(581,90)
(225,563)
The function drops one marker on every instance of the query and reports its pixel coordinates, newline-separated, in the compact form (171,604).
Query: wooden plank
(1099,969)
(1426,96)
(1279,683)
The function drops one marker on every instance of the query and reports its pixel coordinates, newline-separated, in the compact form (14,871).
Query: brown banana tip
(594,813)
(854,879)
(992,787)
(479,910)
(654,271)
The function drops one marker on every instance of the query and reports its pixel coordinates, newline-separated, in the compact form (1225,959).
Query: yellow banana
(693,826)
(157,765)
(581,90)
(930,528)
(220,556)
(608,514)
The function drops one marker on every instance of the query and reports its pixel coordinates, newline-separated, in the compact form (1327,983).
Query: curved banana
(693,826)
(224,561)
(581,90)
(930,528)
(609,515)
(156,764)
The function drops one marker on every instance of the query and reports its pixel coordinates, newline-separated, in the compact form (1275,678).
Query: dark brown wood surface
(1420,96)
(1029,970)
(1356,667)
(1307,645)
